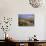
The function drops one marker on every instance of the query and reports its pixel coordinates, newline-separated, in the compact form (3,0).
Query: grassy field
(26,22)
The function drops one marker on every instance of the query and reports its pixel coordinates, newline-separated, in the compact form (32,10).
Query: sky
(26,15)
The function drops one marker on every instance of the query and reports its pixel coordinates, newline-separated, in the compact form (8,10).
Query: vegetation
(26,22)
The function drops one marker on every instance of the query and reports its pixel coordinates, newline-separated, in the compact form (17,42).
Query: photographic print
(25,20)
